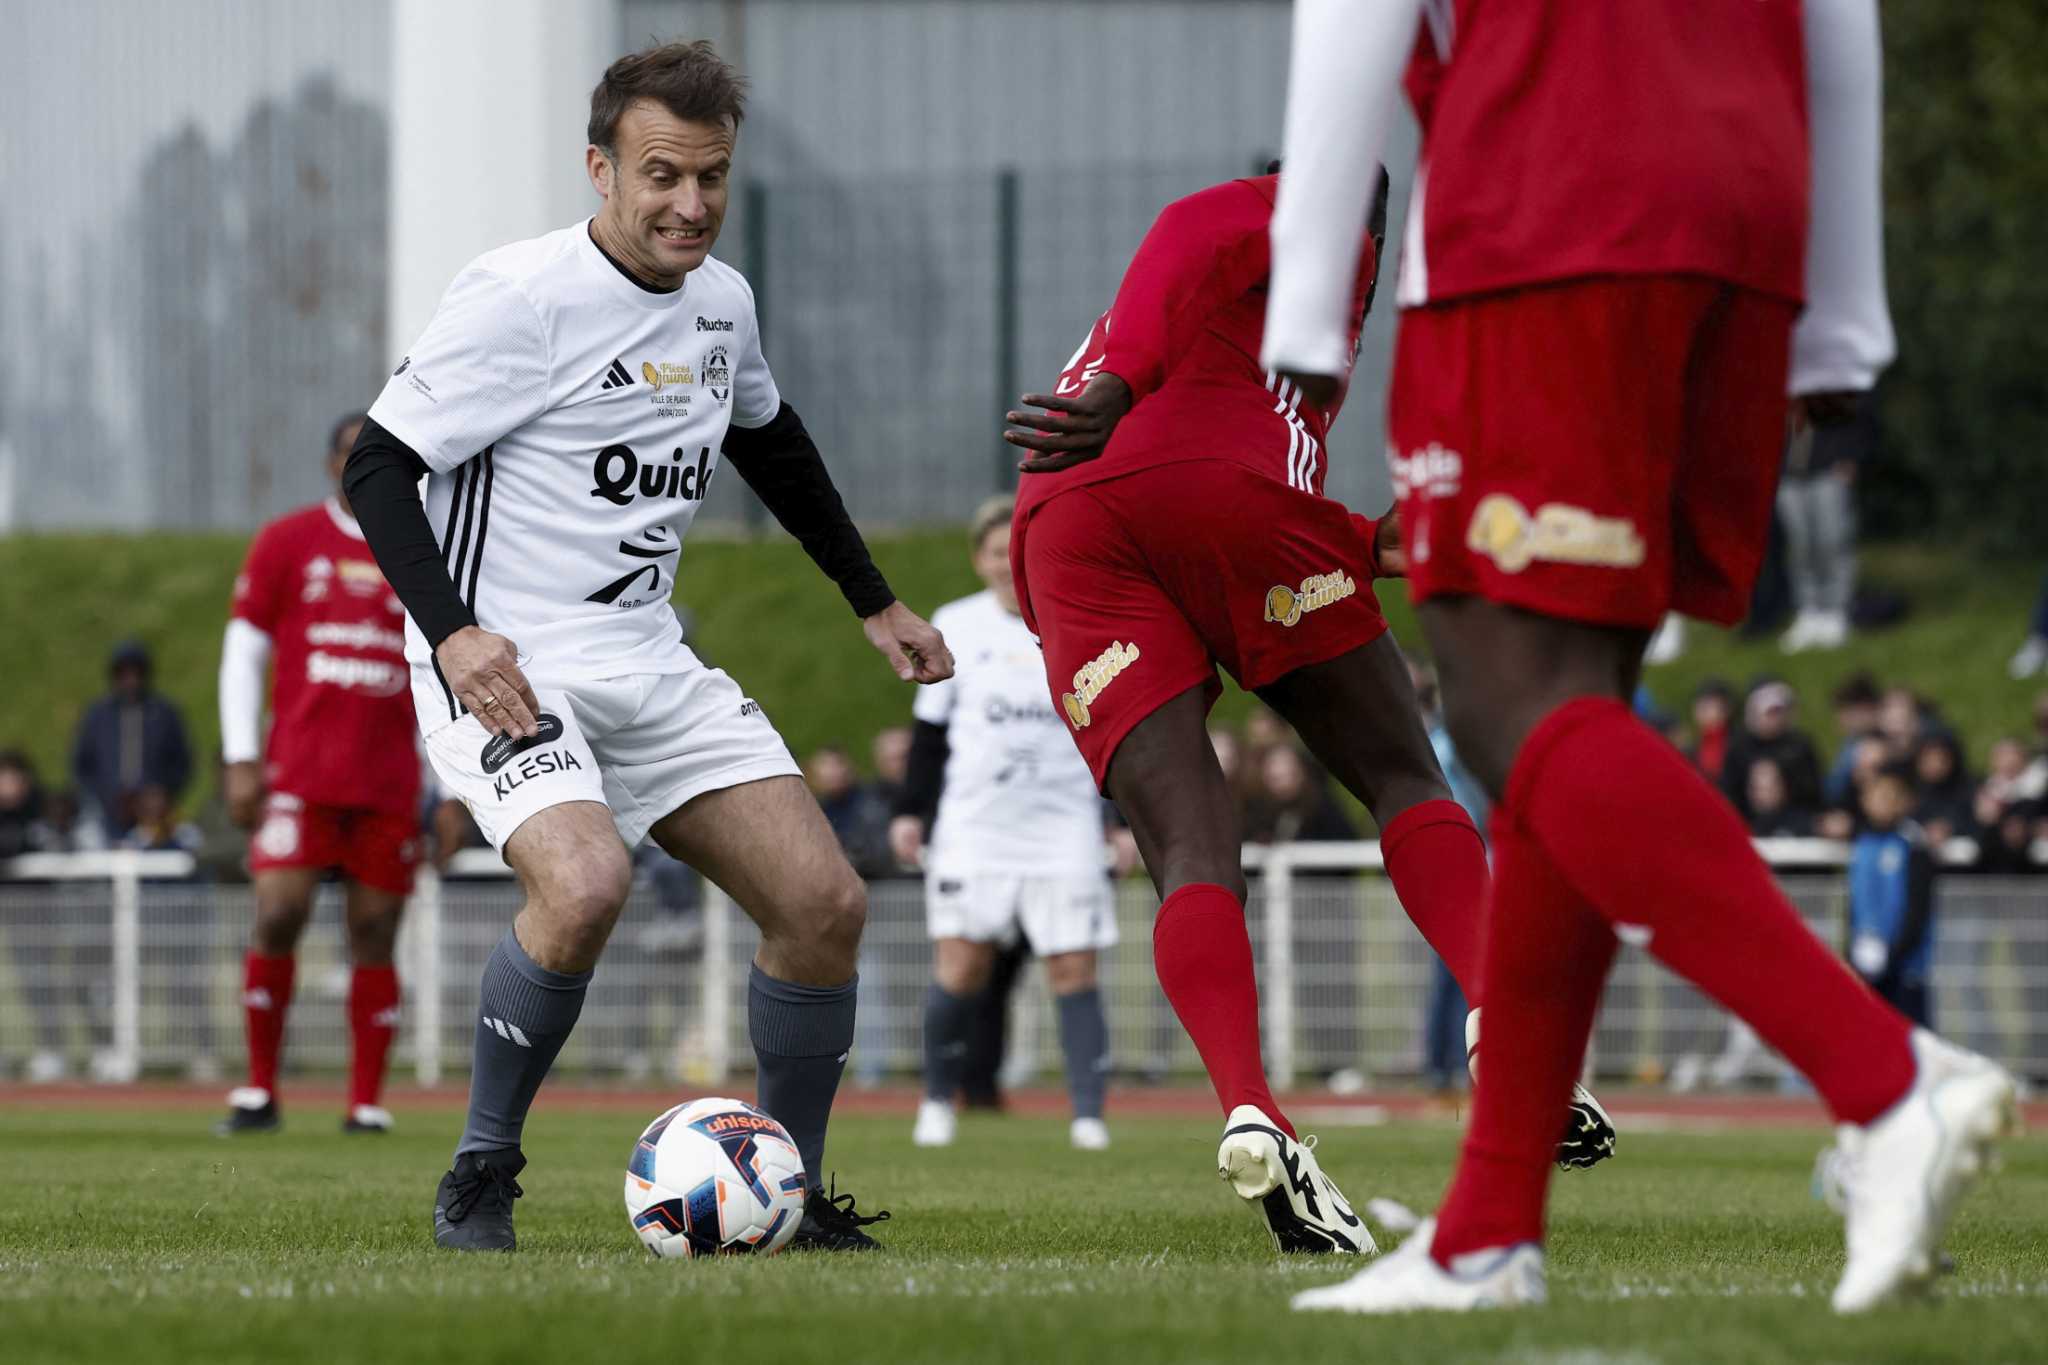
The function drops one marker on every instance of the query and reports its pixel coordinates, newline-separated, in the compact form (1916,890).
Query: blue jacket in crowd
(1891,906)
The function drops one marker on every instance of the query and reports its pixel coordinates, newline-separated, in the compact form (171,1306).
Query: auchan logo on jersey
(1287,605)
(1094,676)
(1507,533)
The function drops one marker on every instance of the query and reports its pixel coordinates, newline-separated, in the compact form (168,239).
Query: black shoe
(366,1118)
(473,1207)
(1588,1133)
(830,1224)
(250,1111)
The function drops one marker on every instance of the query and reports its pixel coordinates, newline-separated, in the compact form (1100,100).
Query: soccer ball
(715,1178)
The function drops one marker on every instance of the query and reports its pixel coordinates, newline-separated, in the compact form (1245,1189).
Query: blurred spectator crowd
(1755,747)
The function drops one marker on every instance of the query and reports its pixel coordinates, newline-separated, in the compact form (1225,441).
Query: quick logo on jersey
(618,476)
(498,751)
(615,376)
(1286,605)
(1504,531)
(1092,677)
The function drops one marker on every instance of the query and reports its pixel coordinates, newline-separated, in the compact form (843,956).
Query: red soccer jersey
(1568,138)
(1184,333)
(342,727)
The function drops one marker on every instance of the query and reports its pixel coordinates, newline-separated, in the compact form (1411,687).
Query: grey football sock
(1084,1038)
(523,1017)
(801,1037)
(946,1018)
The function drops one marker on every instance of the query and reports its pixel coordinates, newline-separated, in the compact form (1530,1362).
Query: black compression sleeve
(381,481)
(782,465)
(925,776)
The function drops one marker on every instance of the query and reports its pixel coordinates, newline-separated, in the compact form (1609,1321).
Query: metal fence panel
(1344,976)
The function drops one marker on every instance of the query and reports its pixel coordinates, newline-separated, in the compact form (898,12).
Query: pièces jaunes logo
(1092,677)
(1287,605)
(664,374)
(1504,531)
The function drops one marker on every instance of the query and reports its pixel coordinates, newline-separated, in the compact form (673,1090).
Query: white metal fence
(116,965)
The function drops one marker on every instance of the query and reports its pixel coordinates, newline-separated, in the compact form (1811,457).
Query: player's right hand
(906,840)
(242,786)
(1069,429)
(482,670)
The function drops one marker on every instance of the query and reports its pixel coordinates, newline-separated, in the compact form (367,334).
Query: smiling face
(664,184)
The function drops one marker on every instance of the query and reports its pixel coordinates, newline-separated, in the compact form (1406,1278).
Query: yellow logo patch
(661,376)
(1504,531)
(1288,605)
(1092,677)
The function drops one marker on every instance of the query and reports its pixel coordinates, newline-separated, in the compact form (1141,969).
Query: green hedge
(764,614)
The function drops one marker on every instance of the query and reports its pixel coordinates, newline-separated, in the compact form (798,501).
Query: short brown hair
(690,80)
(992,513)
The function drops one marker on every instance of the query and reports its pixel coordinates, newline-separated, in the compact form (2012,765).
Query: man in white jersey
(1016,835)
(569,405)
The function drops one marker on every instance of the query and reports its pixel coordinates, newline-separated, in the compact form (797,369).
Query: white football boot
(1902,1175)
(1588,1131)
(1302,1207)
(1408,1281)
(936,1124)
(1088,1135)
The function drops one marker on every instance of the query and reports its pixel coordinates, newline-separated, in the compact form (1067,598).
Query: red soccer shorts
(378,848)
(1138,587)
(1599,450)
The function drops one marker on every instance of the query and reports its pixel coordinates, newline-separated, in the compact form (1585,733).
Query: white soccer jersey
(1018,796)
(572,422)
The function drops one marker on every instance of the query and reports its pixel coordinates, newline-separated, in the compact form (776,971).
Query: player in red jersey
(1606,250)
(336,788)
(1174,520)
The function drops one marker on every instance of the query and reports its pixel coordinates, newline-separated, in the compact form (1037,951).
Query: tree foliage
(1966,191)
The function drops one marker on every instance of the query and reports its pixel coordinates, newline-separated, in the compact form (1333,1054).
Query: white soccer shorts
(643,744)
(1057,914)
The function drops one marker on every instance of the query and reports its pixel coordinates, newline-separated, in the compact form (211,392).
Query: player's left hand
(1068,430)
(916,651)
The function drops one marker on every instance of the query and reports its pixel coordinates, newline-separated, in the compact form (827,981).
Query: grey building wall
(935,199)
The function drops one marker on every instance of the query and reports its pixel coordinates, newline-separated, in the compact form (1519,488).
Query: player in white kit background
(1016,841)
(569,405)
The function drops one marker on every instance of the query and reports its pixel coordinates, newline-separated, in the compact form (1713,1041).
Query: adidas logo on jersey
(615,377)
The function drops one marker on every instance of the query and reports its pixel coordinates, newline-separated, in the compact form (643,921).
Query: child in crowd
(1891,896)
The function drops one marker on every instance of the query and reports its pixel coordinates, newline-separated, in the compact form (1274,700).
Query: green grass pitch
(131,1235)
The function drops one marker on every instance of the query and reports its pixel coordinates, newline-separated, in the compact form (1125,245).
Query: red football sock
(1547,954)
(1437,862)
(1203,955)
(372,1024)
(1641,836)
(266,995)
